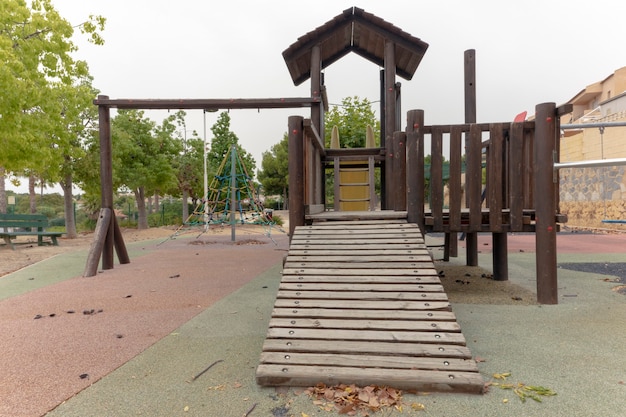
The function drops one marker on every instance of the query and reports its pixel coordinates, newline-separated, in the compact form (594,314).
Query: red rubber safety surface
(59,339)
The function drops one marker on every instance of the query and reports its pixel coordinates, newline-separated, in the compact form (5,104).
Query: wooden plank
(398,336)
(409,325)
(359,265)
(473,177)
(373,314)
(496,176)
(375,279)
(414,272)
(362,295)
(364,305)
(366,229)
(373,287)
(454,182)
(363,246)
(436,176)
(516,176)
(360,258)
(360,251)
(372,361)
(384,241)
(358,215)
(369,225)
(422,380)
(319,223)
(398,236)
(387,348)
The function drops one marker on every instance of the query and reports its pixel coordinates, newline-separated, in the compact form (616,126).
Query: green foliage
(221,143)
(142,152)
(36,77)
(352,118)
(190,162)
(274,175)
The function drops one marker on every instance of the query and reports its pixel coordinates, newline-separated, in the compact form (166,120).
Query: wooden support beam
(212,104)
(471,239)
(296,173)
(390,117)
(415,167)
(399,171)
(545,207)
(102,227)
(106,180)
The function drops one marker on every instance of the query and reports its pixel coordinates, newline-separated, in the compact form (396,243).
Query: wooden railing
(496,191)
(519,191)
(306,180)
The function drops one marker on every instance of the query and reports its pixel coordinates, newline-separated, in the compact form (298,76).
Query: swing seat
(614,221)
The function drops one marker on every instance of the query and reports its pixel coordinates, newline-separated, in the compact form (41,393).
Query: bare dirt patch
(475,285)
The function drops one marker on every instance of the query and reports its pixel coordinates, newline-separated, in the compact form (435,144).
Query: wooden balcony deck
(361,302)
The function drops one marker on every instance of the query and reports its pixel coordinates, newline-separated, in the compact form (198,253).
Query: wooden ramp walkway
(361,302)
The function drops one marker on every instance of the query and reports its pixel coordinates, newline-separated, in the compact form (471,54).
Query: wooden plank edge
(430,381)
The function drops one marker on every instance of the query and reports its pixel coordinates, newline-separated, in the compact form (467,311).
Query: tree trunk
(32,197)
(285,201)
(142,220)
(185,205)
(157,202)
(3,192)
(68,203)
(149,209)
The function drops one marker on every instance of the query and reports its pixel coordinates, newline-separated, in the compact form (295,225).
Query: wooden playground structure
(360,300)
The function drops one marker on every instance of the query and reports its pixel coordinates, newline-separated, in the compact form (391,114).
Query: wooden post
(390,116)
(415,169)
(399,171)
(545,207)
(296,172)
(109,236)
(106,180)
(315,168)
(496,178)
(471,238)
(102,227)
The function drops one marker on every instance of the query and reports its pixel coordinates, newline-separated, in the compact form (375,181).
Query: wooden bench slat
(28,222)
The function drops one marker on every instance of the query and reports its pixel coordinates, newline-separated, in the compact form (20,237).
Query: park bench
(13,225)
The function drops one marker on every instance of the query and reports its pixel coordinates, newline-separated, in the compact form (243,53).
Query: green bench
(13,225)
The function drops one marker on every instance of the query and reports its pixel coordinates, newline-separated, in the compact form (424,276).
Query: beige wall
(590,195)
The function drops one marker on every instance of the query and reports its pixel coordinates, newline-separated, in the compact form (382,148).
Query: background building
(595,197)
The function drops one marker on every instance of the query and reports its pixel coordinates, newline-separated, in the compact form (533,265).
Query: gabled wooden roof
(356,31)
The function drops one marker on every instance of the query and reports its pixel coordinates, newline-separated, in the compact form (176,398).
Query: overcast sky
(526,53)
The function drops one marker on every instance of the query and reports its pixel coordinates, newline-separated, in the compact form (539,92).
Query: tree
(36,48)
(143,156)
(221,143)
(190,171)
(351,118)
(80,122)
(274,175)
